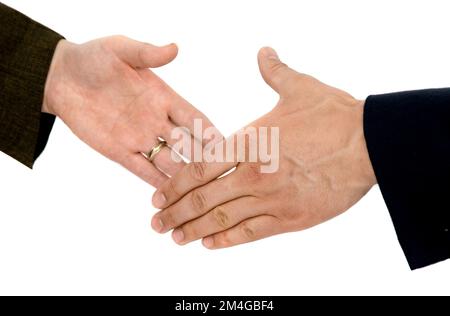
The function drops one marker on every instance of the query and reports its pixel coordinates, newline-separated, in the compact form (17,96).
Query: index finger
(191,176)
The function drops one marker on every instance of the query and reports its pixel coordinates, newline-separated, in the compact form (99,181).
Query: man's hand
(104,91)
(324,170)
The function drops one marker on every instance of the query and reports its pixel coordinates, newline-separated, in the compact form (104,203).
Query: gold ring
(156,150)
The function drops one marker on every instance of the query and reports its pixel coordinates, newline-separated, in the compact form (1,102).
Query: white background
(79,224)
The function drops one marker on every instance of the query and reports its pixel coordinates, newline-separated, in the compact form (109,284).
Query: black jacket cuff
(408,138)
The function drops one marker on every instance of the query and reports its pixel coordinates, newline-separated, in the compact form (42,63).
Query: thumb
(275,73)
(143,55)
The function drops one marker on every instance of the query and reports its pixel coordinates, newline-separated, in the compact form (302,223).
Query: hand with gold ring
(106,93)
(156,150)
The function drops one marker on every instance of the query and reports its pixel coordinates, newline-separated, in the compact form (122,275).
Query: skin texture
(324,170)
(104,91)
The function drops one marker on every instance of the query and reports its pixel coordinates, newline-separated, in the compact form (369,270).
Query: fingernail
(159,200)
(178,235)
(208,242)
(157,224)
(172,44)
(271,53)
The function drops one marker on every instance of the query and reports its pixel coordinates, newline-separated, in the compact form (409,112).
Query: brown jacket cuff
(26,52)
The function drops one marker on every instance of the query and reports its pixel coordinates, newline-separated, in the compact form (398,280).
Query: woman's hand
(324,169)
(104,91)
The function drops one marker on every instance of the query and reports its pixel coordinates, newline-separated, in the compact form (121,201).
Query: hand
(324,169)
(104,91)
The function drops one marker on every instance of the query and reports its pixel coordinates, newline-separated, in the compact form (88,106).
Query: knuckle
(222,240)
(119,37)
(114,40)
(172,189)
(168,219)
(221,217)
(190,232)
(253,174)
(198,200)
(142,55)
(197,170)
(248,232)
(277,67)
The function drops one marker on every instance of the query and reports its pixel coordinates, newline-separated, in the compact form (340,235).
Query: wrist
(367,170)
(50,104)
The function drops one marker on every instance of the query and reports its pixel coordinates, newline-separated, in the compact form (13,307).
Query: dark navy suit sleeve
(408,138)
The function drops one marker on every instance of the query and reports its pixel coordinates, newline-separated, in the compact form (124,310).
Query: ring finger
(219,219)
(166,160)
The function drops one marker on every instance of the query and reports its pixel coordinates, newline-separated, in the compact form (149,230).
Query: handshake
(303,163)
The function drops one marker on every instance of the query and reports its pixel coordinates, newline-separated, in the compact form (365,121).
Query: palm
(107,88)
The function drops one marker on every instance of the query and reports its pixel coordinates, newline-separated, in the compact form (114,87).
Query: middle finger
(199,202)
